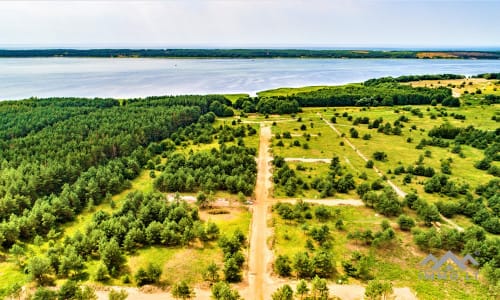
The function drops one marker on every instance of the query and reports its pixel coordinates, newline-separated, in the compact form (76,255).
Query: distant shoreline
(249,53)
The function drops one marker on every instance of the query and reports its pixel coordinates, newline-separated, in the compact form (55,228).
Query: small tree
(319,288)
(117,295)
(112,256)
(154,273)
(182,290)
(202,200)
(283,293)
(232,270)
(406,222)
(377,289)
(380,156)
(323,263)
(282,266)
(303,265)
(369,164)
(302,289)
(212,273)
(222,291)
(40,270)
(322,213)
(101,273)
(69,290)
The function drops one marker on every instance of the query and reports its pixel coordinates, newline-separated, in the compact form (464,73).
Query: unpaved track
(327,202)
(308,160)
(260,255)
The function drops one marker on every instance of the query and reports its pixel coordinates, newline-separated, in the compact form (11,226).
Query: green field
(396,262)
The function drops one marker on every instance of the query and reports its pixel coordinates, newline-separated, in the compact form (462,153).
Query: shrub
(380,156)
(369,164)
(282,266)
(405,222)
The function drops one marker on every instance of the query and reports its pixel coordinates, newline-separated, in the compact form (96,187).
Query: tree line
(241,53)
(380,94)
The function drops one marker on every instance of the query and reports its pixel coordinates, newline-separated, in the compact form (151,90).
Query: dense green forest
(59,156)
(385,91)
(247,53)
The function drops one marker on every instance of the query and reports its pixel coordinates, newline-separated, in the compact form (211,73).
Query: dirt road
(260,255)
(327,202)
(308,160)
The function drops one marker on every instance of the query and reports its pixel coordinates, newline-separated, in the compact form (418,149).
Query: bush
(322,213)
(282,266)
(149,276)
(222,291)
(354,133)
(369,164)
(405,222)
(283,293)
(380,156)
(117,295)
(182,290)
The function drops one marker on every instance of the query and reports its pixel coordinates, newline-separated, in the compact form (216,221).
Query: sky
(251,23)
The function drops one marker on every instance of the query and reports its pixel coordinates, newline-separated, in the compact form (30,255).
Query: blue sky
(257,23)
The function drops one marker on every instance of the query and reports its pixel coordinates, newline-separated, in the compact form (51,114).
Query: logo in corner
(448,267)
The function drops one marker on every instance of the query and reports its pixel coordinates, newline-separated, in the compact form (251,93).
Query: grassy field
(234,97)
(397,262)
(189,263)
(401,152)
(289,91)
(463,86)
(325,143)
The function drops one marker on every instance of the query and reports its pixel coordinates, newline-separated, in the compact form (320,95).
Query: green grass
(400,152)
(289,91)
(189,263)
(397,263)
(9,276)
(234,97)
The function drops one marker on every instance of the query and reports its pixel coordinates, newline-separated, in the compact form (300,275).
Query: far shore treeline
(249,53)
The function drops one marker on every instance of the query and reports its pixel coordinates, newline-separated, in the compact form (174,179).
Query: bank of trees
(217,104)
(243,53)
(231,168)
(73,160)
(383,94)
(143,220)
(408,78)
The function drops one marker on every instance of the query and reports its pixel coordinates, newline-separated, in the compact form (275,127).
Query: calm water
(122,78)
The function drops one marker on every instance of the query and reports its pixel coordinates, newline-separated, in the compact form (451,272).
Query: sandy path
(308,160)
(260,255)
(327,202)
(137,294)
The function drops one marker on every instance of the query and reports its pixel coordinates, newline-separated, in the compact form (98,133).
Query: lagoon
(22,78)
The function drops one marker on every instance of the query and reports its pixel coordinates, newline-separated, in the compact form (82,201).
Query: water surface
(138,77)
